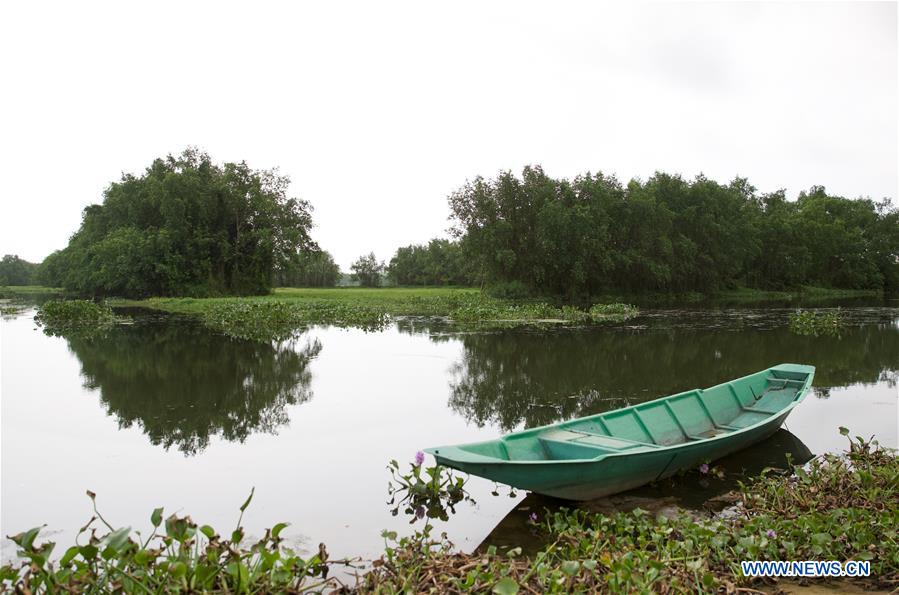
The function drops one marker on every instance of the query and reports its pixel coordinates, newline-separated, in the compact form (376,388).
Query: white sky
(377,110)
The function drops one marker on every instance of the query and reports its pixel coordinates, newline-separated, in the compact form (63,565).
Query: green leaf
(249,499)
(67,557)
(26,539)
(156,517)
(844,431)
(205,574)
(506,586)
(118,538)
(178,569)
(570,567)
(208,531)
(821,538)
(276,530)
(8,573)
(142,557)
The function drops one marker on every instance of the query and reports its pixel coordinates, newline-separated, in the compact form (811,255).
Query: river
(163,412)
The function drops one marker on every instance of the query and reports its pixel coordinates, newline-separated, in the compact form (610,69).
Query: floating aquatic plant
(82,317)
(431,492)
(816,324)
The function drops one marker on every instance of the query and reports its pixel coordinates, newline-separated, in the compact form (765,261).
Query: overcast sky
(378,110)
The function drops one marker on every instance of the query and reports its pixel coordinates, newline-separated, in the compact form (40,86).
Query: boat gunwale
(650,448)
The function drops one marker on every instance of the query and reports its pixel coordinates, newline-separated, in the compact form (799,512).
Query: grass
(285,311)
(13,290)
(838,507)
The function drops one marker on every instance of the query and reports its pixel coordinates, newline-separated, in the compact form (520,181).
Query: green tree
(440,262)
(367,270)
(15,271)
(590,235)
(186,227)
(311,268)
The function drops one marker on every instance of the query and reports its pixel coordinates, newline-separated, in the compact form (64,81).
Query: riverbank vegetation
(178,556)
(838,507)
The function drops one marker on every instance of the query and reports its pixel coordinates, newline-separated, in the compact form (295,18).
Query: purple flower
(532,517)
(704,468)
(419,458)
(771,533)
(420,512)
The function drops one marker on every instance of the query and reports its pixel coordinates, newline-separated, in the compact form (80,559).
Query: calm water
(165,413)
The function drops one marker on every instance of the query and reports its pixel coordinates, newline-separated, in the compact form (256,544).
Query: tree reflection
(520,376)
(183,384)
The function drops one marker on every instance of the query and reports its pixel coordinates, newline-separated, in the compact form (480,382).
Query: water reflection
(691,492)
(378,396)
(519,376)
(183,384)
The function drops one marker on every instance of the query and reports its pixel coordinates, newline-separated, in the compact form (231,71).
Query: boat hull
(536,459)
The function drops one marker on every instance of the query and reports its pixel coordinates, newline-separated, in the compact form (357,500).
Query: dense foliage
(15,271)
(185,227)
(311,268)
(593,234)
(367,270)
(441,262)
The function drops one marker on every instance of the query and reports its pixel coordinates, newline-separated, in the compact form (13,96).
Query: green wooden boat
(595,456)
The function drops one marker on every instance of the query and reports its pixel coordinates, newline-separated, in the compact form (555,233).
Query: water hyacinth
(816,324)
(287,312)
(82,317)
(431,492)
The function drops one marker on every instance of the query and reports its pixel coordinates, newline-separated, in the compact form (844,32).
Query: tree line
(16,271)
(593,234)
(188,226)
